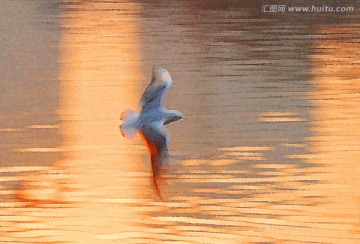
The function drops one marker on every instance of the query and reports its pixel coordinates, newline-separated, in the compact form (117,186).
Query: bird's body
(151,119)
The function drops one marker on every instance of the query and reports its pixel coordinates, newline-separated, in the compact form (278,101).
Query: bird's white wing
(153,95)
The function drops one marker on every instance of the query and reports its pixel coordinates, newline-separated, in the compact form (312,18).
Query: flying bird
(150,121)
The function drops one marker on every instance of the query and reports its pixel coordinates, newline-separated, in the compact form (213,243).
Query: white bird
(151,120)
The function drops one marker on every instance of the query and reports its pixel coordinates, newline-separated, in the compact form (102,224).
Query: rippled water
(268,151)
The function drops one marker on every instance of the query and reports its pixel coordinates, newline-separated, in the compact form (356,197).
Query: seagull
(150,121)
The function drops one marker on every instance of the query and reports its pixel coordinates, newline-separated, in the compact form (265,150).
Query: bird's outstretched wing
(153,95)
(156,138)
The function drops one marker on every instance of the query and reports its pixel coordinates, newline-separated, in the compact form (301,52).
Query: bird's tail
(129,127)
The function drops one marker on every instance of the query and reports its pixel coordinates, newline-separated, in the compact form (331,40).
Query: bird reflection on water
(151,120)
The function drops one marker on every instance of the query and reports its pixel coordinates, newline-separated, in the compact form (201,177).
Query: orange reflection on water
(101,191)
(100,76)
(337,129)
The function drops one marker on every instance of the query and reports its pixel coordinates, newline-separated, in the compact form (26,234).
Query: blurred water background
(268,152)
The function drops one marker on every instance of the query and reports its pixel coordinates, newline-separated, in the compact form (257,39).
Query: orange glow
(100,76)
(337,129)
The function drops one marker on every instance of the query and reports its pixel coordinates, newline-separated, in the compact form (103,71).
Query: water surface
(268,152)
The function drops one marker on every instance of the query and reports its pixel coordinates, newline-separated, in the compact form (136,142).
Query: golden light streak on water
(336,123)
(280,117)
(100,76)
(97,83)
